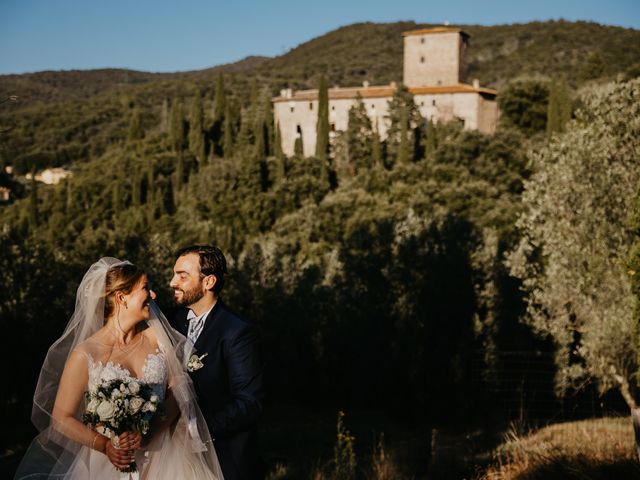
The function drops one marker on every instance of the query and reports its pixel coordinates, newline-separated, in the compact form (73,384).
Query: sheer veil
(53,453)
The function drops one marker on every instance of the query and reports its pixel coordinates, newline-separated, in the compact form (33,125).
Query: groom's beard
(189,297)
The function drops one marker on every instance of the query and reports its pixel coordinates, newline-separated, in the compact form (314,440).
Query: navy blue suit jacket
(230,388)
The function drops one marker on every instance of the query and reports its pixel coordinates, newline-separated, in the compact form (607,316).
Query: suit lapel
(209,324)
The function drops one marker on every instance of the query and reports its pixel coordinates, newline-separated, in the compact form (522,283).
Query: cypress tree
(248,122)
(403,117)
(244,139)
(269,129)
(431,137)
(359,136)
(565,104)
(116,197)
(180,172)
(322,125)
(553,109)
(559,106)
(196,120)
(376,148)
(164,116)
(34,214)
(151,187)
(136,132)
(203,149)
(227,146)
(298,149)
(259,147)
(219,104)
(165,200)
(69,196)
(281,161)
(277,144)
(136,190)
(403,149)
(177,132)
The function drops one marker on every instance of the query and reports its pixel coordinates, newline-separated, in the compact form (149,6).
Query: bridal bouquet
(119,406)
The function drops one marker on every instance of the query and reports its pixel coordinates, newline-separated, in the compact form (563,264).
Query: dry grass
(586,450)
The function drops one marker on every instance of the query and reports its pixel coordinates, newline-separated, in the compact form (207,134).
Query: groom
(227,372)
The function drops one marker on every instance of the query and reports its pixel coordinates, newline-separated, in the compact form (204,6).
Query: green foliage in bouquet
(118,406)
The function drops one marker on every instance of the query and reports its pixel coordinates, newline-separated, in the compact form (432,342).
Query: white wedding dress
(165,456)
(99,467)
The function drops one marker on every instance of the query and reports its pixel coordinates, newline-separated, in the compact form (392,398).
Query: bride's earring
(125,305)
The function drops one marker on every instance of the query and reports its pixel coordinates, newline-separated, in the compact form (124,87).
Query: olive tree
(577,237)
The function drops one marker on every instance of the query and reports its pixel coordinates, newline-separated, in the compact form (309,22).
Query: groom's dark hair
(212,262)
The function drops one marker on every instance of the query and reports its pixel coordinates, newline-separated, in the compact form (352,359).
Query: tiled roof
(381,92)
(424,31)
(459,88)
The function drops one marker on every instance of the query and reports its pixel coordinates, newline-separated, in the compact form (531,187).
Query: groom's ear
(209,282)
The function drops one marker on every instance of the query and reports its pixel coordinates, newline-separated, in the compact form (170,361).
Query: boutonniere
(195,362)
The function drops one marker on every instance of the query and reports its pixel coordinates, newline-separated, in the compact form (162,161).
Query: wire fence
(521,385)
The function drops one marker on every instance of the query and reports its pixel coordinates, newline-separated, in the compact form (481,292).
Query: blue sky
(159,35)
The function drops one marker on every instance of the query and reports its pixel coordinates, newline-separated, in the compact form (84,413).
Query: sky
(168,36)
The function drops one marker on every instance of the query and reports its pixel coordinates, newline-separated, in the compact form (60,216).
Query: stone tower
(435,57)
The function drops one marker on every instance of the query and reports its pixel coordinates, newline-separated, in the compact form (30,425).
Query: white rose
(134,387)
(115,394)
(93,405)
(122,387)
(148,407)
(136,404)
(93,389)
(106,410)
(154,399)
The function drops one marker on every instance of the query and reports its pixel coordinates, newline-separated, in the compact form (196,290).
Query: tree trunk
(623,386)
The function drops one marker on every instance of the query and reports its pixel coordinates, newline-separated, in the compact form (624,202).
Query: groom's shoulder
(231,320)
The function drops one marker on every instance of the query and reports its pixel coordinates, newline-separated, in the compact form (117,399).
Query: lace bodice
(154,370)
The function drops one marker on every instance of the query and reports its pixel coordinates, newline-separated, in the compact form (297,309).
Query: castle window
(422,40)
(421,59)
(433,102)
(299,130)
(333,127)
(439,82)
(292,109)
(373,106)
(333,108)
(310,105)
(422,104)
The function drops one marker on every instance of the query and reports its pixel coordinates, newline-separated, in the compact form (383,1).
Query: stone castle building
(434,71)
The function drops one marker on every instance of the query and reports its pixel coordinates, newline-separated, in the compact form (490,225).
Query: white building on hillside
(434,71)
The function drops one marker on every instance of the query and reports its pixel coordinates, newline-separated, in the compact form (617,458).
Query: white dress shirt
(196,324)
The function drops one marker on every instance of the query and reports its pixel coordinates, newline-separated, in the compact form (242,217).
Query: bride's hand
(130,440)
(118,457)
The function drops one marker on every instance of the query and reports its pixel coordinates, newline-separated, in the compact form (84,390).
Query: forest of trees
(383,273)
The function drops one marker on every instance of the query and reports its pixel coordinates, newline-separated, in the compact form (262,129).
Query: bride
(117,333)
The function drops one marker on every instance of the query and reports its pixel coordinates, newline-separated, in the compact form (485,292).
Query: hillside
(580,50)
(68,116)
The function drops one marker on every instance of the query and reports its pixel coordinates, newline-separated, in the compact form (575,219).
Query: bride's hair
(120,278)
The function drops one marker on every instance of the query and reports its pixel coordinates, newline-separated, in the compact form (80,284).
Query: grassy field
(587,450)
(299,443)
